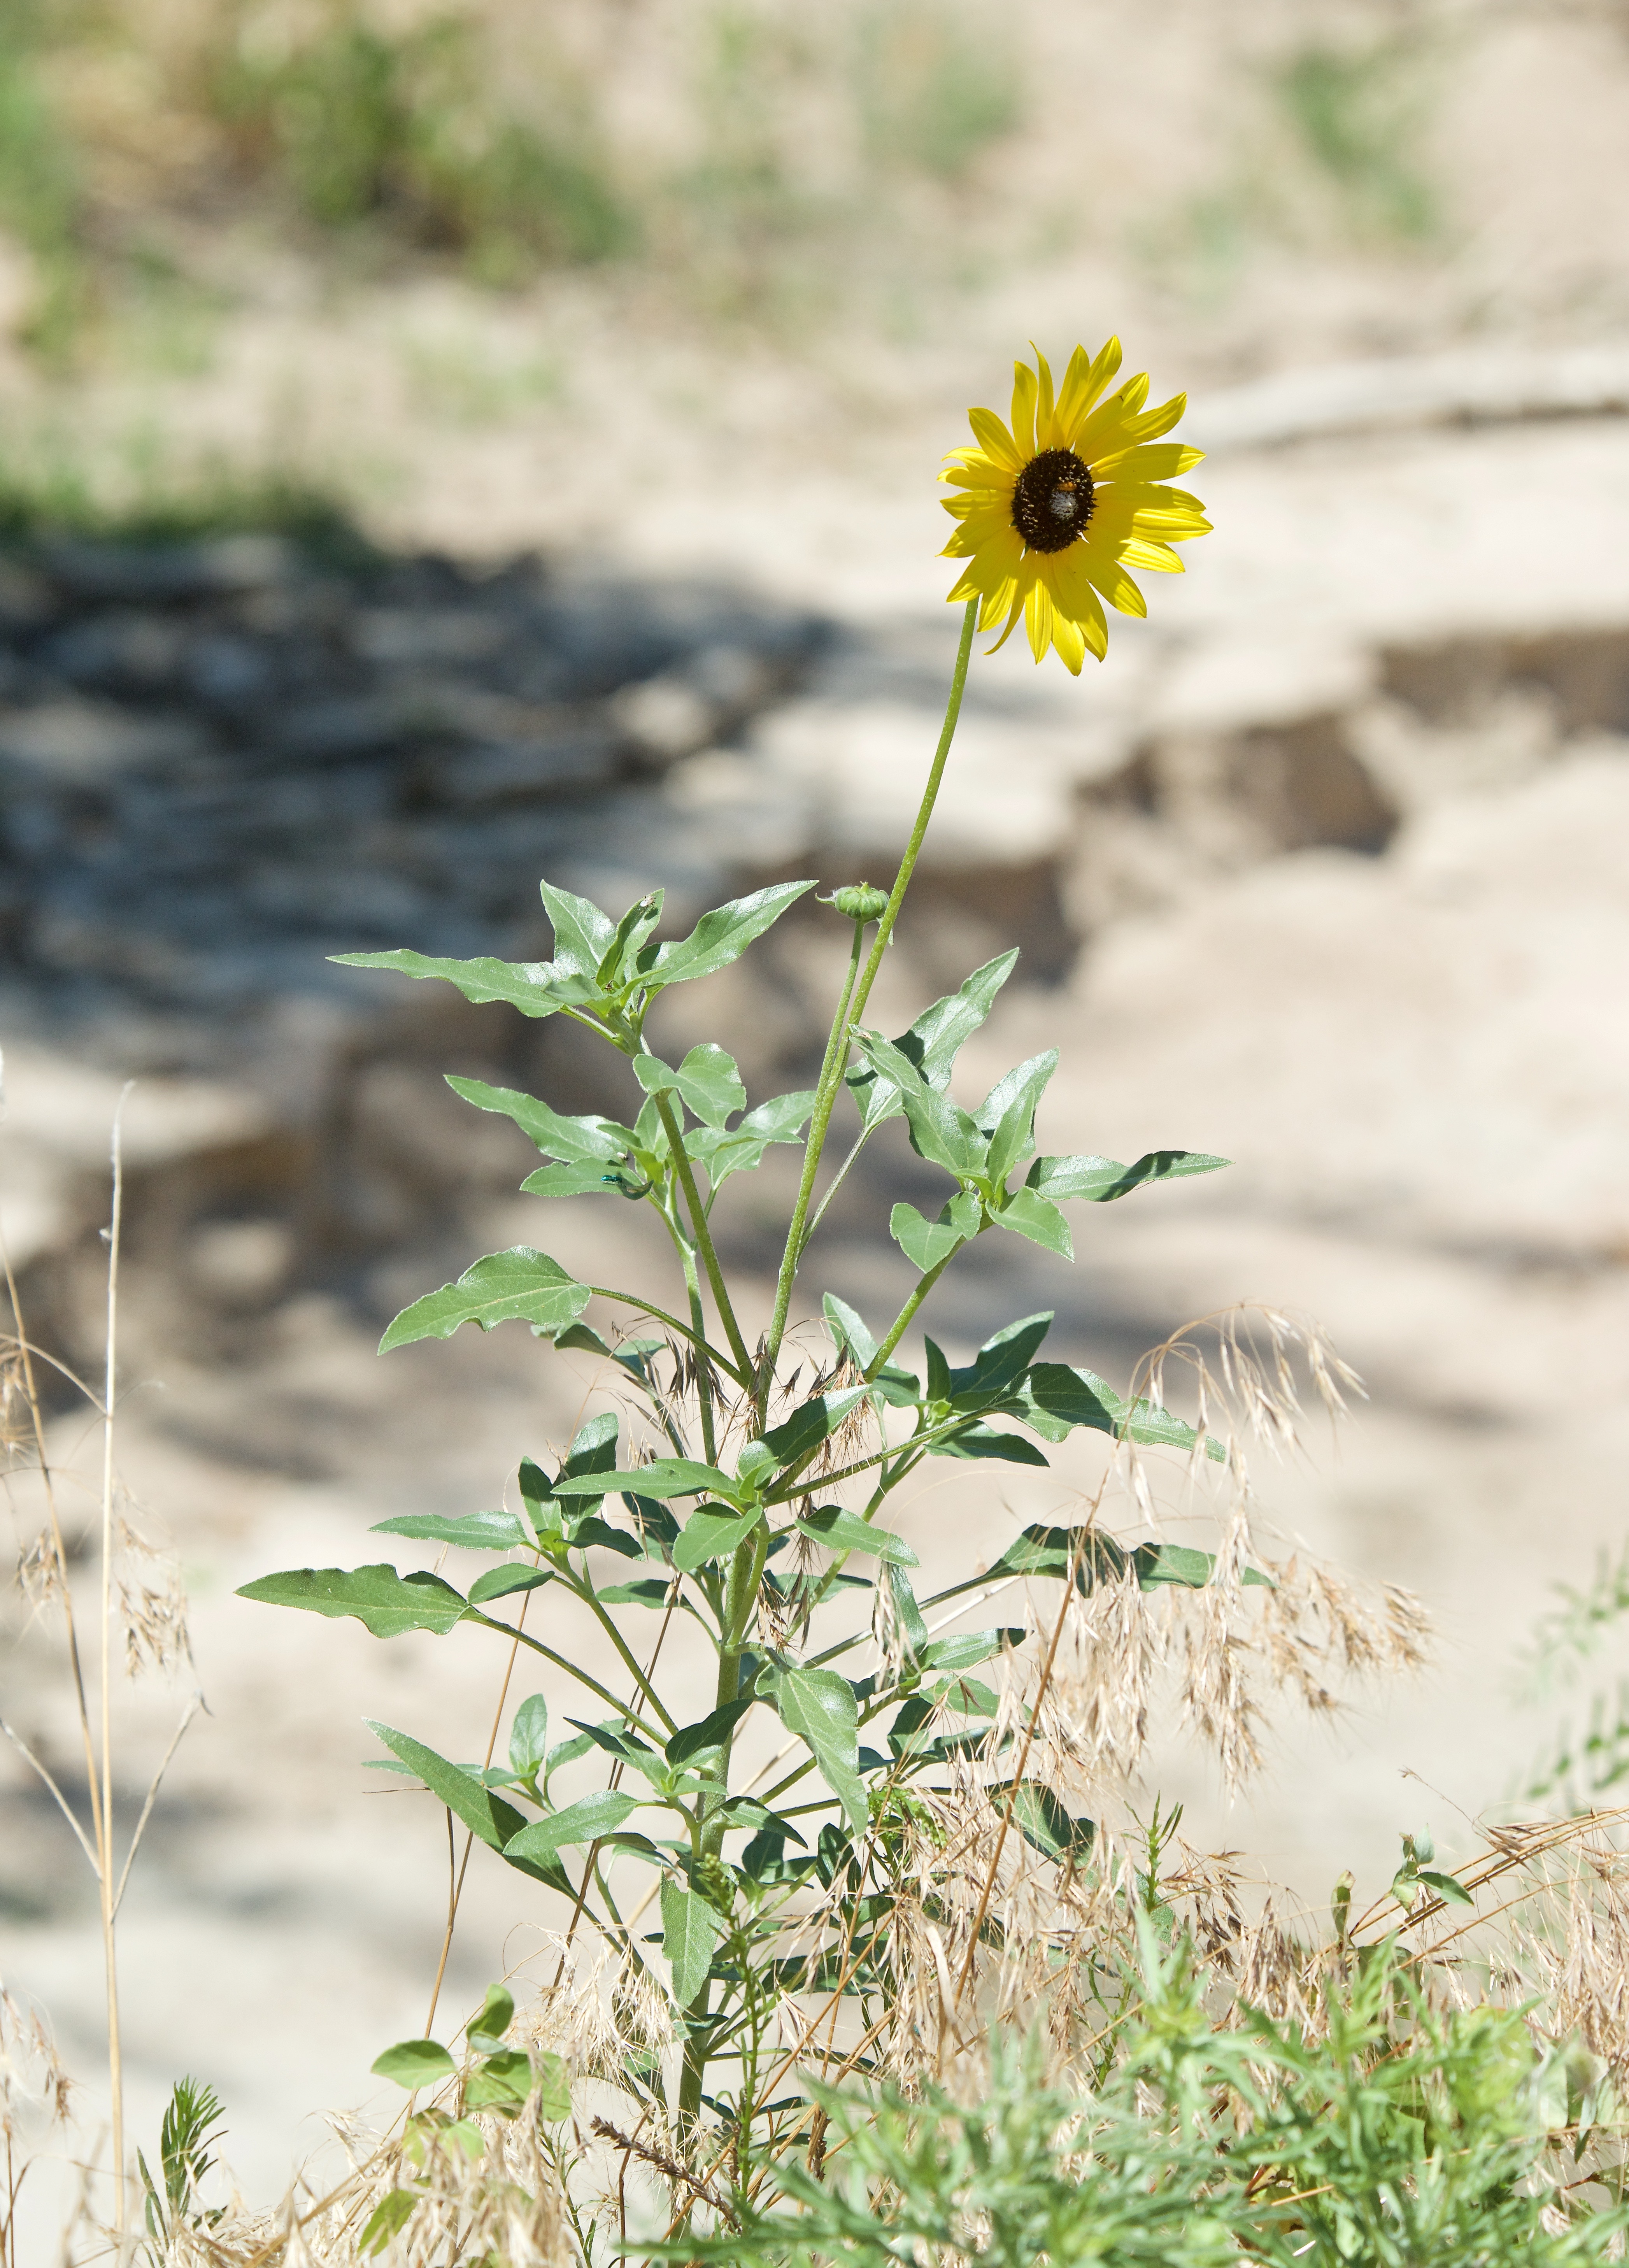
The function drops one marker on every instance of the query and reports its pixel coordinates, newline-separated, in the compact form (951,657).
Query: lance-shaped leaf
(691,1931)
(378,1597)
(593,1450)
(583,934)
(708,1079)
(485,1814)
(981,1440)
(813,1422)
(940,1129)
(1007,1113)
(528,1736)
(1029,1214)
(611,1737)
(664,1479)
(1042,1820)
(1073,1397)
(469,1531)
(932,1042)
(585,1820)
(926,1244)
(1099,1181)
(968,1648)
(578,1140)
(503,1582)
(537,988)
(819,1707)
(723,935)
(711,1534)
(841,1530)
(595,1179)
(1092,1557)
(520,1286)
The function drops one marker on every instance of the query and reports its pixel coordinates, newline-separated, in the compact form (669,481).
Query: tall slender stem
(704,1236)
(854,1007)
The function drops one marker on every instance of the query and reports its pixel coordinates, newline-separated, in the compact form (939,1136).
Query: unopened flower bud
(860,901)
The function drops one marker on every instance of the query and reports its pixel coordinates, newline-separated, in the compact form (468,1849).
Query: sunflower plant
(760,1504)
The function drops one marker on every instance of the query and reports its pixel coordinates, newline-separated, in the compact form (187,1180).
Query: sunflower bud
(860,901)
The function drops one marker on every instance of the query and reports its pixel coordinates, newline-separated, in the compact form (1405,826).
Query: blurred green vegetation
(934,90)
(41,202)
(1357,114)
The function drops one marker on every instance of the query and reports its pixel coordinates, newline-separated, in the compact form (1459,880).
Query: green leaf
(663,1479)
(649,1591)
(1175,1563)
(592,1180)
(1078,1397)
(708,1079)
(713,1533)
(616,1742)
(537,988)
(554,2088)
(913,1629)
(741,1150)
(1452,1892)
(500,1582)
(690,1930)
(849,1331)
(1007,1113)
(694,1740)
(485,2031)
(1099,1181)
(1036,1216)
(818,1706)
(588,1532)
(382,1600)
(1094,1558)
(840,1530)
(593,1450)
(940,1131)
(590,1816)
(723,935)
(528,1736)
(813,1422)
(578,1140)
(485,1814)
(934,1040)
(981,1440)
(390,2216)
(1002,1360)
(520,1286)
(413,2064)
(470,1531)
(926,1243)
(583,934)
(968,1648)
(620,962)
(1042,1821)
(502,2083)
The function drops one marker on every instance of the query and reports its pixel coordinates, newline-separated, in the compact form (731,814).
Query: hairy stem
(901,1321)
(855,1006)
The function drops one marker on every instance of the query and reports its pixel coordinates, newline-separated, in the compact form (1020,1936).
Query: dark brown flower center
(1052,501)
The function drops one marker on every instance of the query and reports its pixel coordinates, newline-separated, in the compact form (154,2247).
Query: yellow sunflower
(1056,510)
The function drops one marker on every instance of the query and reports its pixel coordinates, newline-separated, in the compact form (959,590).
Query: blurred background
(444,445)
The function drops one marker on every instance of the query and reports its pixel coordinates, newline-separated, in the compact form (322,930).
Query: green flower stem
(686,1251)
(623,1708)
(854,1007)
(704,1238)
(831,1071)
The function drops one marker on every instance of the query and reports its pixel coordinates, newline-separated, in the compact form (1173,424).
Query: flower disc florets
(1052,500)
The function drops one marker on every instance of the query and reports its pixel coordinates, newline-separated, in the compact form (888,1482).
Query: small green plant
(190,2130)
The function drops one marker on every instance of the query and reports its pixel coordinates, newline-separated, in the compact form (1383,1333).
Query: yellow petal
(996,441)
(1038,618)
(979,473)
(1142,461)
(1025,388)
(1154,558)
(1115,585)
(1067,643)
(1044,417)
(1083,382)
